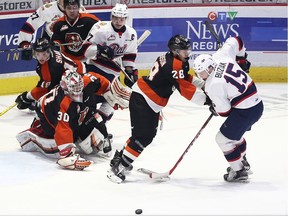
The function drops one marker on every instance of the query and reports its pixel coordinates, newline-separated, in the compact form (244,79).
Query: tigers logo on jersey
(82,115)
(76,41)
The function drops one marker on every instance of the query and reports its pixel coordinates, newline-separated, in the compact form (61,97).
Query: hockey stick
(212,30)
(143,37)
(12,50)
(140,40)
(7,109)
(165,175)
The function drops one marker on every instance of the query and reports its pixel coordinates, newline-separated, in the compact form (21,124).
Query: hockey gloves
(211,106)
(132,77)
(243,62)
(105,52)
(23,102)
(26,50)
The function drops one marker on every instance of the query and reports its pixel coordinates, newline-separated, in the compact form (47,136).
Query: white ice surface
(31,184)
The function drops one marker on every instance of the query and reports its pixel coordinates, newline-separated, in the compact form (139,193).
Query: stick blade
(160,176)
(154,175)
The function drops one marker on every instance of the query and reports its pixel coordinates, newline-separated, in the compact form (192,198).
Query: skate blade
(114,178)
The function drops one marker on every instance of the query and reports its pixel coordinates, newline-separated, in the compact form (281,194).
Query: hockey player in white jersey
(235,96)
(46,14)
(112,41)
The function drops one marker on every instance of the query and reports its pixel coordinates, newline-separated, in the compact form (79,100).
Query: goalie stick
(165,175)
(212,30)
(7,109)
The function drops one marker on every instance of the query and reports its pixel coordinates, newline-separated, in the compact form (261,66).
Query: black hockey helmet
(41,45)
(178,42)
(71,2)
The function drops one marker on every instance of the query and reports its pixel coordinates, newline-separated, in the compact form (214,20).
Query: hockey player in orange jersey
(51,64)
(150,94)
(72,29)
(66,120)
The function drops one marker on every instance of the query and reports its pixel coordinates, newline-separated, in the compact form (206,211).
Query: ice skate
(116,159)
(246,166)
(236,176)
(116,173)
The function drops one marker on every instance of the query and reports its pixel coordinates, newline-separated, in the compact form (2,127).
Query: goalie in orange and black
(73,28)
(150,94)
(51,64)
(67,117)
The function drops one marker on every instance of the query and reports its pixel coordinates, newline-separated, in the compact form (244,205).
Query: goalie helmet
(72,83)
(178,42)
(120,10)
(203,62)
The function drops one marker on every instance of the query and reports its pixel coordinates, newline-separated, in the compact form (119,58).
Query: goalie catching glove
(118,95)
(70,160)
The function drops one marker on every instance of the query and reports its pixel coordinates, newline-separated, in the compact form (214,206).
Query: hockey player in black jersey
(150,94)
(51,64)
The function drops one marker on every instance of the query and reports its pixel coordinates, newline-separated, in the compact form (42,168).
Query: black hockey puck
(138,211)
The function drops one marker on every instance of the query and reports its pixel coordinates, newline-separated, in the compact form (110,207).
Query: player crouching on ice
(66,120)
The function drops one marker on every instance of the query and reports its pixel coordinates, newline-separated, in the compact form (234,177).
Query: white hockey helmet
(120,10)
(203,62)
(72,83)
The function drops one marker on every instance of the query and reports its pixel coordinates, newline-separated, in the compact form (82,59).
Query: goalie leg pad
(26,142)
(92,143)
(30,142)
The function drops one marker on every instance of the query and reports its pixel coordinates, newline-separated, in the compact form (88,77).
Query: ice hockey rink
(31,184)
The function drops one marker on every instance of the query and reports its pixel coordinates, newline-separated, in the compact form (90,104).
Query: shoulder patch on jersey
(112,37)
(102,23)
(48,5)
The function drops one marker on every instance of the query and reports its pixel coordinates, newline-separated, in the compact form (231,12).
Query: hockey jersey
(167,75)
(46,14)
(228,85)
(122,41)
(74,34)
(51,71)
(61,117)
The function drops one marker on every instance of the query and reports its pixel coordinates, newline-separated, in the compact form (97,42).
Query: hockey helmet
(41,45)
(120,10)
(72,82)
(203,62)
(178,42)
(71,2)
